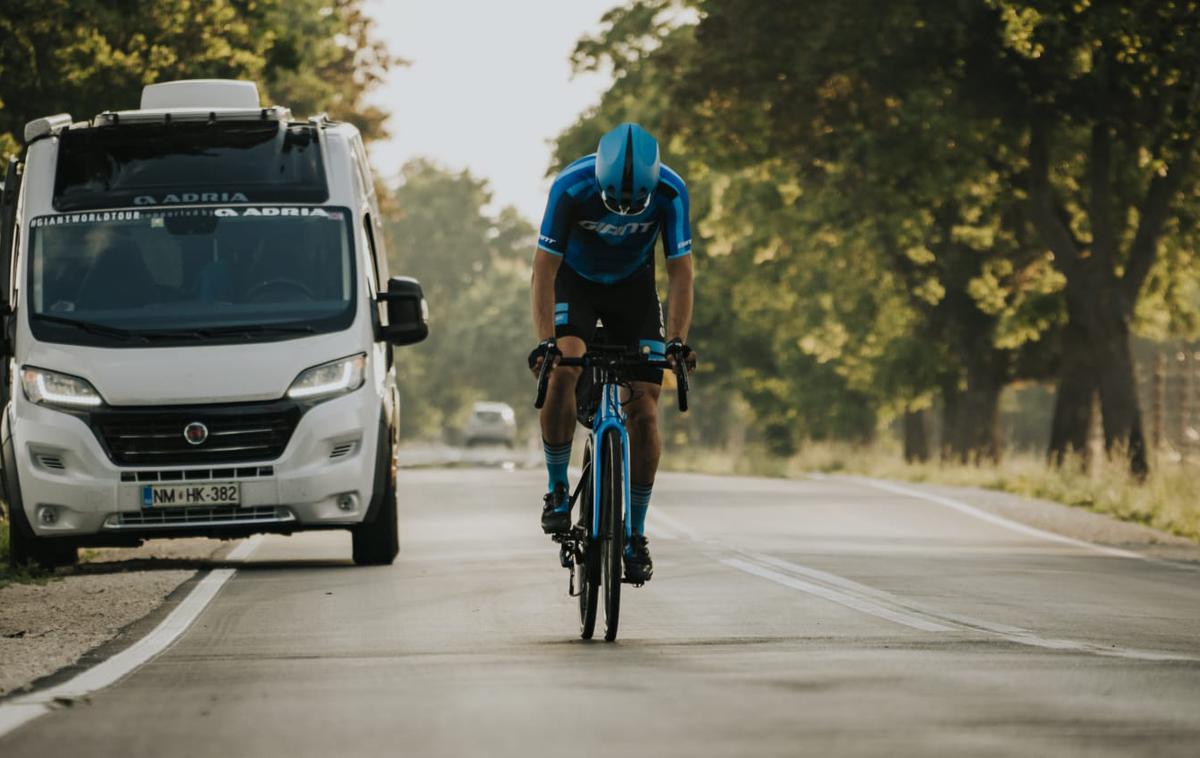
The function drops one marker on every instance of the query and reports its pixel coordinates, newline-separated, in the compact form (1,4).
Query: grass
(1169,500)
(10,575)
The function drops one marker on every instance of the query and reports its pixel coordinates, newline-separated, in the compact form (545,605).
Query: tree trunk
(1120,410)
(1073,401)
(980,420)
(916,437)
(952,443)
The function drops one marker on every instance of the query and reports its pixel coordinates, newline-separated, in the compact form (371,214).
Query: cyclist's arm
(545,268)
(552,246)
(679,297)
(677,247)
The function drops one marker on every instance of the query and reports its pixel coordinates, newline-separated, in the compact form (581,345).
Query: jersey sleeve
(556,223)
(677,224)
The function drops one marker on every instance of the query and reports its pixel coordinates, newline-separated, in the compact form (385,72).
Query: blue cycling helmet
(627,168)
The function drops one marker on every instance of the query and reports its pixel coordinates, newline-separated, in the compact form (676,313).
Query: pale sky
(490,84)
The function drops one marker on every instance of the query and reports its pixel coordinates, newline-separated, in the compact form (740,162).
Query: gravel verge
(47,626)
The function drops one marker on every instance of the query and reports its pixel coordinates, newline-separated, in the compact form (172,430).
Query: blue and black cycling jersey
(606,247)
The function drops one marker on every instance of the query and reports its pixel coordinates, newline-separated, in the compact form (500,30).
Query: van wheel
(24,547)
(377,542)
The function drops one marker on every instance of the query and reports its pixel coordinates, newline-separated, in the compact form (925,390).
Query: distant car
(491,423)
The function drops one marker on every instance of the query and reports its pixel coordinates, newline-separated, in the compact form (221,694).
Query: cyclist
(595,260)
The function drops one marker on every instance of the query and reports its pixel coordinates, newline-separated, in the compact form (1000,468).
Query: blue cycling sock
(558,457)
(639,503)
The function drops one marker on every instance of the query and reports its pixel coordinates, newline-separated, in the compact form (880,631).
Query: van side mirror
(407,312)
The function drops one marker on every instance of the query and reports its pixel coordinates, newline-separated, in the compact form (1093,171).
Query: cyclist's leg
(575,321)
(558,412)
(634,317)
(645,449)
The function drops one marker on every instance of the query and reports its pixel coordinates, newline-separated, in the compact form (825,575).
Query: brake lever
(681,385)
(543,382)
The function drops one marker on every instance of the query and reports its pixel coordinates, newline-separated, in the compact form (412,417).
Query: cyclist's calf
(645,447)
(558,413)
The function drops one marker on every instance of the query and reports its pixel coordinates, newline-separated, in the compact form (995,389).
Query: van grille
(218,515)
(240,472)
(236,433)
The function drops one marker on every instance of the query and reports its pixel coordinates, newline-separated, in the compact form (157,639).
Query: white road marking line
(884,605)
(24,709)
(1000,521)
(962,623)
(656,514)
(841,598)
(658,532)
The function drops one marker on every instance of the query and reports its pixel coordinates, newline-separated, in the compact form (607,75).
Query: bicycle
(593,548)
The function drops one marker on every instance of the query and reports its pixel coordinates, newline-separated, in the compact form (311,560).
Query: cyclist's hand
(545,349)
(677,350)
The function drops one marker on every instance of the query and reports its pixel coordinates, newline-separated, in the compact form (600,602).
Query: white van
(198,325)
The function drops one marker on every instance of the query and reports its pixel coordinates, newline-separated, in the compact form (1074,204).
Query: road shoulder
(1067,521)
(60,624)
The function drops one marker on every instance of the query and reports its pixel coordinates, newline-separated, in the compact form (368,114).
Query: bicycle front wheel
(612,527)
(587,566)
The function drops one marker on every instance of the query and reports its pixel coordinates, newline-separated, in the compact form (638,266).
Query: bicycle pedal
(630,581)
(566,555)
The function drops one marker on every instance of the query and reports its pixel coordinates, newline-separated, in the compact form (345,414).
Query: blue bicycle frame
(610,415)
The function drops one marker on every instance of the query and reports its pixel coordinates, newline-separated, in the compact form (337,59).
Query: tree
(858,182)
(86,56)
(1021,168)
(1110,97)
(325,57)
(474,267)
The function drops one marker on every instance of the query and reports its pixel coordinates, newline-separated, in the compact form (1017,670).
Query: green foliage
(86,56)
(8,574)
(863,192)
(474,266)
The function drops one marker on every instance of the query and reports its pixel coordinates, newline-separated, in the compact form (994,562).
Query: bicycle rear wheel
(612,531)
(587,566)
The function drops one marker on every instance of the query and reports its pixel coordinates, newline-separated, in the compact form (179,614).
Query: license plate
(176,495)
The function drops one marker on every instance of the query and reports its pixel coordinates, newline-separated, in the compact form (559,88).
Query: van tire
(376,541)
(47,553)
(24,546)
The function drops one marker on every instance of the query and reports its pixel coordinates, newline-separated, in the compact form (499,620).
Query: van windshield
(136,277)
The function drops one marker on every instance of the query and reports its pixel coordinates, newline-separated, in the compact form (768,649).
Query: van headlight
(62,390)
(329,379)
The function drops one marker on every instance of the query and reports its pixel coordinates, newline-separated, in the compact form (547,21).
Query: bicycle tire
(612,532)
(587,566)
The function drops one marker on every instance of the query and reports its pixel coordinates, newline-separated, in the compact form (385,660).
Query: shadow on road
(202,564)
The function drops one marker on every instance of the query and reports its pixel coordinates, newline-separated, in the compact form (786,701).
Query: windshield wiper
(202,333)
(93,328)
(249,329)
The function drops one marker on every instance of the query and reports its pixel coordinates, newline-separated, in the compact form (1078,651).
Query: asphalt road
(785,618)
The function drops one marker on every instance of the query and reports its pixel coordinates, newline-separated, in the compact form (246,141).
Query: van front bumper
(70,487)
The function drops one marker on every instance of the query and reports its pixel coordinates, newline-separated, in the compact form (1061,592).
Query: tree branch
(1152,216)
(1046,220)
(1100,212)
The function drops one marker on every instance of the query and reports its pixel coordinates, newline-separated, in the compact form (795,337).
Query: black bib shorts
(629,313)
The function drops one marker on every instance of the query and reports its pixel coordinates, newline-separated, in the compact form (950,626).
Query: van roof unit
(200,93)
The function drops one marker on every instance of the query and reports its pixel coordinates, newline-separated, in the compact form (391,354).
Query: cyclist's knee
(643,420)
(565,376)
